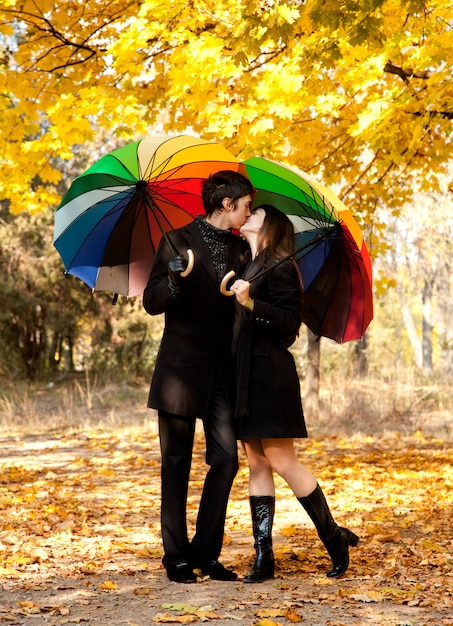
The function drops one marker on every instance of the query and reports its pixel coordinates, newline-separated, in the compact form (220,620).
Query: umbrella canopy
(336,270)
(112,218)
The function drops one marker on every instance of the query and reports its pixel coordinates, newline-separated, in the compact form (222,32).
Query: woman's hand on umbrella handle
(241,289)
(225,280)
(190,262)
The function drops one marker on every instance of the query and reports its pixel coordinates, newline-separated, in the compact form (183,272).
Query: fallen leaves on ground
(84,509)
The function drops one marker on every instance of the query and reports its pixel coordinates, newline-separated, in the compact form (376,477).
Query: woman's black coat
(197,337)
(268,387)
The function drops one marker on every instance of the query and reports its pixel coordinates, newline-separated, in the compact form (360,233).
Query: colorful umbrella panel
(112,218)
(336,270)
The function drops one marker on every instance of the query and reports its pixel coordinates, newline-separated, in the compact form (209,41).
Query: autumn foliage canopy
(358,93)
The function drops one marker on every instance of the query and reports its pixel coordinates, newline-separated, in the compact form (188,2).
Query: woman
(269,408)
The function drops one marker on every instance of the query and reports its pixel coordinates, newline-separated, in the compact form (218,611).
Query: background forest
(357,93)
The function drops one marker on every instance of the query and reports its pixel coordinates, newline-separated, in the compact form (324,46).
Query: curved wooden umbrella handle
(190,262)
(225,280)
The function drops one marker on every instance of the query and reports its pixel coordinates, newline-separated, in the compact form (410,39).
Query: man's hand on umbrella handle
(179,268)
(176,266)
(225,280)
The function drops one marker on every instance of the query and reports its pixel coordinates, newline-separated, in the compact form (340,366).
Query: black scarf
(217,240)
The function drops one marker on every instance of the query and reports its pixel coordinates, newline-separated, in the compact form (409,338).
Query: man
(193,375)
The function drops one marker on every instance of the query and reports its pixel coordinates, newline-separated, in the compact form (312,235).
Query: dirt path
(79,537)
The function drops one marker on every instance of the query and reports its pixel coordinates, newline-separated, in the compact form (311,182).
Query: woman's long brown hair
(276,235)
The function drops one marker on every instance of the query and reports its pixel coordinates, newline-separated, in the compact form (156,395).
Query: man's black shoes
(181,573)
(216,571)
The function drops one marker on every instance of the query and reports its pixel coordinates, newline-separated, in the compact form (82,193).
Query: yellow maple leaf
(105,471)
(108,585)
(142,591)
(293,616)
(288,531)
(370,596)
(270,613)
(205,614)
(181,619)
(180,607)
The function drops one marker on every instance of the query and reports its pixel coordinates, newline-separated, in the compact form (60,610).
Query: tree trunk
(443,323)
(311,398)
(361,357)
(69,355)
(427,327)
(411,329)
(54,353)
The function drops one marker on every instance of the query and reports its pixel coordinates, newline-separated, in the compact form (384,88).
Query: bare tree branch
(405,74)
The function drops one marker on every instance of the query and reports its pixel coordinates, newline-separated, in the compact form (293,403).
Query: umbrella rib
(155,196)
(141,187)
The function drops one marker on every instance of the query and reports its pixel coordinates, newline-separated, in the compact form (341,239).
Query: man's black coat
(198,327)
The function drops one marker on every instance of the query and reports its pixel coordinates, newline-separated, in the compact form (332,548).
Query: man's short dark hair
(224,184)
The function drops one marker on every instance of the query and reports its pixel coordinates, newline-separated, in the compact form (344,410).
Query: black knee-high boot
(262,508)
(335,538)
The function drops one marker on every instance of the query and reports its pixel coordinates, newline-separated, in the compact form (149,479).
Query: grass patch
(347,406)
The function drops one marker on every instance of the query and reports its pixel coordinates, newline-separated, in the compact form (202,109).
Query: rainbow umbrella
(113,216)
(333,259)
